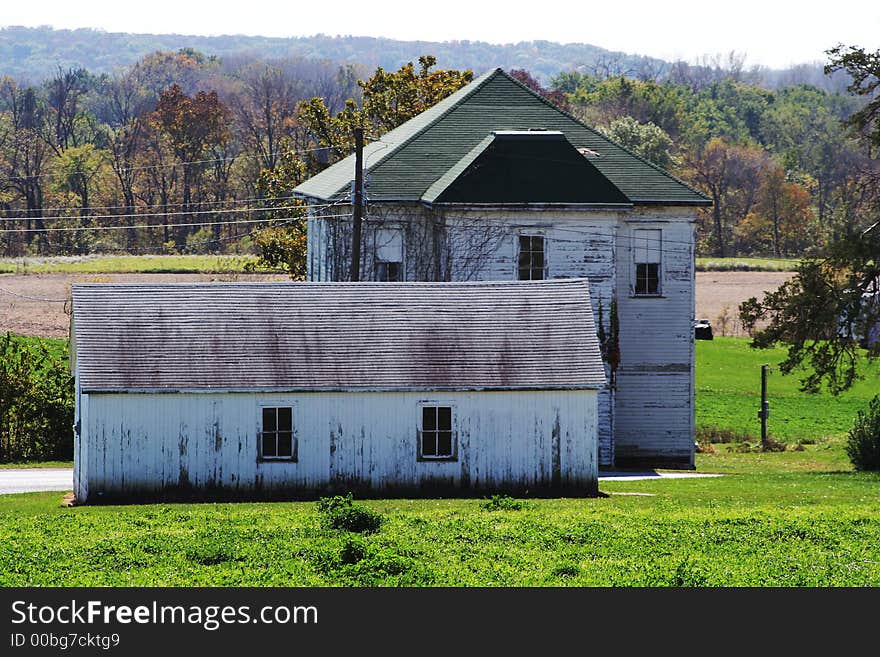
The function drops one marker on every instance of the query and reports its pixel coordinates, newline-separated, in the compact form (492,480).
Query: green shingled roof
(411,160)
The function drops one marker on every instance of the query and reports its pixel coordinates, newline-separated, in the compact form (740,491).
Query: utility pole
(358,210)
(764,413)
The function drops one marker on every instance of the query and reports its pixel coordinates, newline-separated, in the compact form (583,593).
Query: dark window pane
(525,243)
(429,443)
(285,443)
(269,448)
(444,443)
(538,259)
(429,418)
(285,419)
(269,420)
(525,259)
(537,243)
(444,418)
(525,274)
(647,278)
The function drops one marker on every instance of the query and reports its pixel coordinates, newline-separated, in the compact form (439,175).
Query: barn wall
(155,444)
(649,417)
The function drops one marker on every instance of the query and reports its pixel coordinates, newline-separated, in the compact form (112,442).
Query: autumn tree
(192,125)
(730,174)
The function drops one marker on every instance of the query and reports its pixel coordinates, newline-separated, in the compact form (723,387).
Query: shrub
(863,440)
(503,503)
(36,402)
(340,512)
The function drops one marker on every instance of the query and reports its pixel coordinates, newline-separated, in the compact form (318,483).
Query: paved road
(39,479)
(31,480)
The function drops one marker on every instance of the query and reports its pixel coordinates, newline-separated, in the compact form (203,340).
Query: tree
(730,174)
(645,139)
(556,97)
(824,313)
(781,216)
(191,126)
(389,99)
(864,71)
(828,312)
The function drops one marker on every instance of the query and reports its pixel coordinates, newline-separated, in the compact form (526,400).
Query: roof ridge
(476,84)
(605,137)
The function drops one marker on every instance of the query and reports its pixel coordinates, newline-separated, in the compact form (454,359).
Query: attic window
(588,152)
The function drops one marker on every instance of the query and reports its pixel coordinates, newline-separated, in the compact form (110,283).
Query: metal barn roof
(335,336)
(407,161)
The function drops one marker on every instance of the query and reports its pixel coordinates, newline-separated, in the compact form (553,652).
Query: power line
(169,165)
(125,227)
(162,205)
(141,215)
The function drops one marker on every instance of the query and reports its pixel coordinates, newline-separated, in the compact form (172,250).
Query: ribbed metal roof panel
(336,336)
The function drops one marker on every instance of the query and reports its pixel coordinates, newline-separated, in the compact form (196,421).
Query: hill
(34,54)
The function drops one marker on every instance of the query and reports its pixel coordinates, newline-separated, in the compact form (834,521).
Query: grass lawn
(769,527)
(746,264)
(728,393)
(128,264)
(792,518)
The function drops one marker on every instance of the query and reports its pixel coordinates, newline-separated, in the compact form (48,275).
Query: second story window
(532,265)
(389,254)
(647,251)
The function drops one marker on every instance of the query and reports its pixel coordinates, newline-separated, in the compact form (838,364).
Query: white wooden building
(495,183)
(251,390)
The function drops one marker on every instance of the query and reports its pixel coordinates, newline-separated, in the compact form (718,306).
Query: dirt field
(720,291)
(35,304)
(43,314)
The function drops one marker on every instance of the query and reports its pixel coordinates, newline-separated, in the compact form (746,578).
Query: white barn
(269,390)
(495,183)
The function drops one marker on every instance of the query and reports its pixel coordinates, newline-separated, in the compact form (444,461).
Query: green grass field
(728,392)
(792,518)
(745,264)
(767,529)
(127,264)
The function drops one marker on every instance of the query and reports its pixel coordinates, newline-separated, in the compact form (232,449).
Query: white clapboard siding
(145,444)
(656,334)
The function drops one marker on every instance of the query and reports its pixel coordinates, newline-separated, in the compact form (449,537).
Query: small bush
(353,551)
(709,434)
(704,446)
(863,440)
(772,445)
(340,512)
(503,503)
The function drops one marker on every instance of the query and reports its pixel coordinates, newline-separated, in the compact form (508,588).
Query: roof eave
(322,389)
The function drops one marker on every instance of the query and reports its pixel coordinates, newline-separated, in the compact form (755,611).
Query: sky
(770,33)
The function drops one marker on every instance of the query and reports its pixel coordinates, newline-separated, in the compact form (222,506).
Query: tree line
(185,152)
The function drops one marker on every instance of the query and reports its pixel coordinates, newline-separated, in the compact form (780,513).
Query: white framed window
(389,254)
(276,438)
(647,260)
(436,432)
(531,258)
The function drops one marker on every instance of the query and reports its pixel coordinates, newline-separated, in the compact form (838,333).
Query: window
(277,441)
(647,249)
(532,265)
(436,437)
(389,254)
(388,271)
